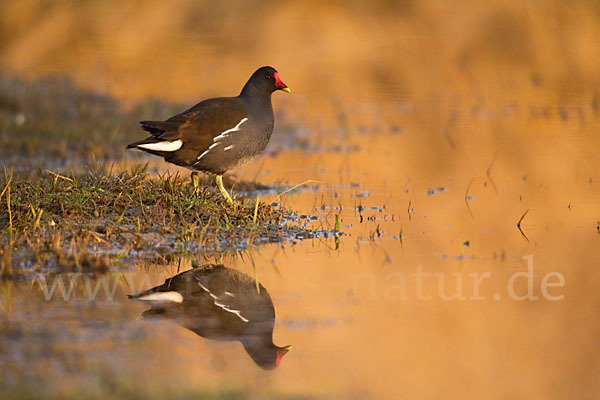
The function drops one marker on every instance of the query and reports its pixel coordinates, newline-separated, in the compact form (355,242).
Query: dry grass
(93,220)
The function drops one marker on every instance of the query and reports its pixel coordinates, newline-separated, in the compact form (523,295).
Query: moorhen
(218,134)
(219,303)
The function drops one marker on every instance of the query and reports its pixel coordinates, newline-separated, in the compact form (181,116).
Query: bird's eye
(268,76)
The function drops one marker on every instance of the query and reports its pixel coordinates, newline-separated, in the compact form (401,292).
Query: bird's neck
(252,94)
(258,104)
(258,341)
(260,348)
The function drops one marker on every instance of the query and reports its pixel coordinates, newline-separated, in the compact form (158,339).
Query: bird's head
(266,356)
(266,80)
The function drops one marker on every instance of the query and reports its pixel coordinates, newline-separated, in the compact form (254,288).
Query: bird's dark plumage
(219,303)
(218,134)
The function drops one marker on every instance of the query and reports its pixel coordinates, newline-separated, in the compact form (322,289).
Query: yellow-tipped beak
(287,90)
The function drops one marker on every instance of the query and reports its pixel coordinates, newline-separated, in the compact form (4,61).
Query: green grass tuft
(88,220)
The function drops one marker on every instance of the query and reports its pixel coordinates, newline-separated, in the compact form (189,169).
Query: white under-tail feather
(162,146)
(163,297)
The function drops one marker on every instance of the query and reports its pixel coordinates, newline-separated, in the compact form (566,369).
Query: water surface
(413,296)
(450,152)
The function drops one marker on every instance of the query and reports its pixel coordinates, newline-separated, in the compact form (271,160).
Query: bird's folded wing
(159,128)
(200,124)
(229,301)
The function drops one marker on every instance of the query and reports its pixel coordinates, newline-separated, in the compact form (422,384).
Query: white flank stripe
(206,152)
(174,297)
(202,155)
(225,307)
(228,148)
(236,312)
(203,287)
(162,146)
(228,131)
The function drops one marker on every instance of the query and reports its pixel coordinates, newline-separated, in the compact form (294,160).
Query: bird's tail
(158,146)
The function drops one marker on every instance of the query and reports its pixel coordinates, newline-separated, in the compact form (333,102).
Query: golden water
(482,122)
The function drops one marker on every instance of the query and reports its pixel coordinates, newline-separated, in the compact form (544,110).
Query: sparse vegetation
(87,221)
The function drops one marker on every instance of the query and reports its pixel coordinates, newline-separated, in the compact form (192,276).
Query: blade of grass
(256,209)
(296,186)
(519,225)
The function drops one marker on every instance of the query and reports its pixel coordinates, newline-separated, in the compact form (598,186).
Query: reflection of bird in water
(219,303)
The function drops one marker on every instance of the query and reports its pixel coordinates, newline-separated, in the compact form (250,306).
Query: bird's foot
(195,181)
(222,189)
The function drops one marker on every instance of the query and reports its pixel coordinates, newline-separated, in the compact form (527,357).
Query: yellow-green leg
(195,180)
(219,180)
